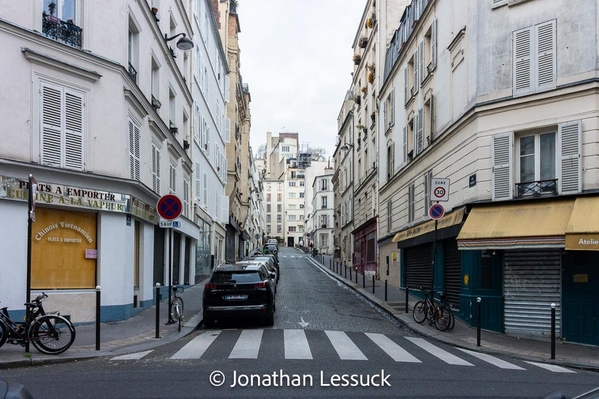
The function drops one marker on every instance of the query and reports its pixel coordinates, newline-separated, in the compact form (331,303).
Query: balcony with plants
(64,31)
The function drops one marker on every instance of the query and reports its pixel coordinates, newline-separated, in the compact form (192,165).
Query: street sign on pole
(436,211)
(439,189)
(169,207)
(169,223)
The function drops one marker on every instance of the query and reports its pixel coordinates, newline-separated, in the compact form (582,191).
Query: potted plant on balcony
(357,59)
(51,8)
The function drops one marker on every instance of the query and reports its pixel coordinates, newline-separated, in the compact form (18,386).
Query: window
(65,10)
(268,218)
(62,123)
(324,184)
(292,195)
(291,184)
(279,218)
(302,183)
(155,83)
(534,58)
(285,148)
(324,240)
(390,159)
(268,229)
(172,106)
(279,197)
(292,229)
(324,219)
(268,207)
(279,186)
(428,119)
(279,228)
(324,202)
(172,184)
(291,217)
(537,163)
(301,195)
(156,169)
(133,50)
(430,48)
(134,162)
(389,111)
(269,197)
(279,208)
(411,203)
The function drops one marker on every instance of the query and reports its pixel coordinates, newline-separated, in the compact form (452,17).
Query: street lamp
(346,146)
(184,43)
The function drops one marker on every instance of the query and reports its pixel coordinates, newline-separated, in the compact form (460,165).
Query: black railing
(66,32)
(540,187)
(132,73)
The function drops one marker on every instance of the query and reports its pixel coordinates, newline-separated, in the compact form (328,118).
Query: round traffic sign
(169,207)
(436,211)
(439,192)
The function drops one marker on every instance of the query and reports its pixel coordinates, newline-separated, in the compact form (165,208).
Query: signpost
(31,187)
(440,193)
(169,208)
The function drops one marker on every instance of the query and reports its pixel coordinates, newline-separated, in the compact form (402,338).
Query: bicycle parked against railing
(177,306)
(50,333)
(433,311)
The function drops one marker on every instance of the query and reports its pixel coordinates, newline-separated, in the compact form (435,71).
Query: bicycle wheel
(3,333)
(52,334)
(176,308)
(442,318)
(419,313)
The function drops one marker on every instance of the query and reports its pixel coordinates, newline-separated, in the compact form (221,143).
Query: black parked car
(242,290)
(270,266)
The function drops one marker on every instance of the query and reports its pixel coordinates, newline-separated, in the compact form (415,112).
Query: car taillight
(263,284)
(210,286)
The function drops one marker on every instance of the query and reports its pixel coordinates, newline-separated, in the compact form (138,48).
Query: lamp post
(184,43)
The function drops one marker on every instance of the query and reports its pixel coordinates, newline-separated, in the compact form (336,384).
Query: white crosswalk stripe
(132,356)
(196,348)
(552,367)
(296,345)
(438,352)
(396,352)
(345,347)
(248,345)
(502,364)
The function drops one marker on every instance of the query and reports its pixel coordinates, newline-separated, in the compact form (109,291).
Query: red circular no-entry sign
(169,207)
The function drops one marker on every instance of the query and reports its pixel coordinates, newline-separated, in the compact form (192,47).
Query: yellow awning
(582,231)
(522,225)
(450,219)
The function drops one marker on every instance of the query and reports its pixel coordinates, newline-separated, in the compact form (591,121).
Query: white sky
(296,57)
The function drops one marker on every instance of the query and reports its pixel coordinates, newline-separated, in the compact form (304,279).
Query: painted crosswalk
(297,344)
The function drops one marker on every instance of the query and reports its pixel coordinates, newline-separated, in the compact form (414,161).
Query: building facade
(322,213)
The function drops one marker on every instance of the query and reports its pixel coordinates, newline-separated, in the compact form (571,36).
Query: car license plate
(236,297)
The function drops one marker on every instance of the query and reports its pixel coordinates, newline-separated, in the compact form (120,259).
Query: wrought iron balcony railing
(535,188)
(132,73)
(66,32)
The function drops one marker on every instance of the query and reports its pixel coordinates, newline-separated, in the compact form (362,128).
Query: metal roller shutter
(419,266)
(453,273)
(532,282)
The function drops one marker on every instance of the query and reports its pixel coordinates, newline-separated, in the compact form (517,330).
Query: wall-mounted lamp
(347,146)
(184,43)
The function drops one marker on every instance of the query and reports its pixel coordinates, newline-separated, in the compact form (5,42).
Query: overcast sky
(296,56)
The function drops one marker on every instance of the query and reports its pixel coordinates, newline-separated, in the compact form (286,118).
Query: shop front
(365,248)
(542,253)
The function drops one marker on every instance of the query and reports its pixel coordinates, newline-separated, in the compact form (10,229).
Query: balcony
(66,32)
(536,188)
(132,73)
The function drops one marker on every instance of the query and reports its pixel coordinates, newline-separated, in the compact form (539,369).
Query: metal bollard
(385,290)
(363,279)
(478,321)
(407,293)
(373,283)
(158,310)
(98,316)
(553,331)
(356,276)
(345,268)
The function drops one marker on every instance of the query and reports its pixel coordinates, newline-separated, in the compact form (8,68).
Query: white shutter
(405,144)
(227,130)
(227,89)
(205,203)
(155,169)
(52,125)
(74,130)
(196,125)
(385,125)
(419,129)
(545,55)
(415,60)
(198,183)
(434,44)
(134,161)
(203,143)
(406,88)
(522,69)
(569,158)
(225,209)
(502,166)
(420,63)
(391,116)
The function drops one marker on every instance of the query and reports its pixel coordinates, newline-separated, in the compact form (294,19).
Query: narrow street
(327,341)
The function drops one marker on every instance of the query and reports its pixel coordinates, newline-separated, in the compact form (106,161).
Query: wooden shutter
(420,63)
(52,125)
(225,209)
(569,158)
(227,88)
(434,44)
(198,182)
(73,137)
(196,125)
(134,162)
(419,129)
(385,123)
(406,88)
(155,169)
(415,60)
(522,70)
(227,130)
(205,190)
(405,144)
(502,166)
(545,55)
(391,116)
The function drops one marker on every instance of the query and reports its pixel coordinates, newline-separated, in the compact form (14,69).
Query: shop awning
(582,231)
(523,225)
(450,219)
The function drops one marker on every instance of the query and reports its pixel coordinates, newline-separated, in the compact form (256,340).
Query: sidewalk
(462,335)
(136,334)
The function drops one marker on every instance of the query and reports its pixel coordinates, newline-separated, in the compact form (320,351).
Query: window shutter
(546,60)
(391,116)
(196,125)
(420,63)
(227,130)
(405,144)
(51,125)
(502,166)
(415,63)
(227,89)
(434,44)
(406,89)
(204,142)
(225,209)
(522,61)
(74,131)
(385,124)
(198,183)
(419,127)
(155,169)
(569,142)
(205,190)
(134,162)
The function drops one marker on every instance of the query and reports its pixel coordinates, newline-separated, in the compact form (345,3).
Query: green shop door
(580,314)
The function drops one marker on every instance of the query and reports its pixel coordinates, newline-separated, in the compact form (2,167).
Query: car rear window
(237,277)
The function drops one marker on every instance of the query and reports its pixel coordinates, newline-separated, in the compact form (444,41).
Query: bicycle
(50,333)
(433,311)
(177,306)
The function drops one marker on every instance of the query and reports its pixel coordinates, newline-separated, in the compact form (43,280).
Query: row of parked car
(246,288)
